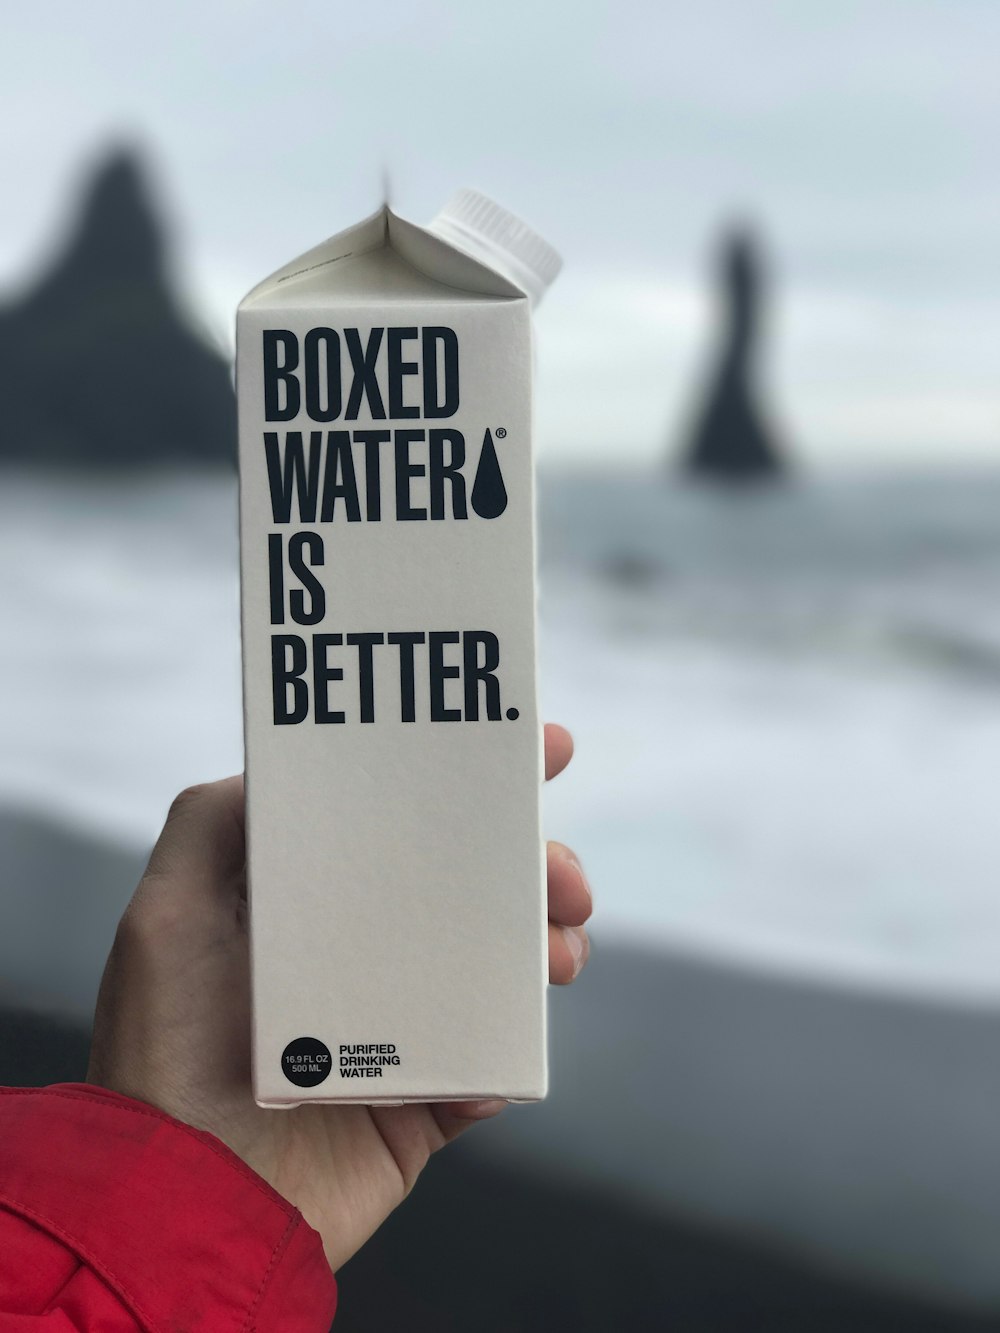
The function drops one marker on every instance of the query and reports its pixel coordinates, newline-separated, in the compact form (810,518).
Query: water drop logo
(489,494)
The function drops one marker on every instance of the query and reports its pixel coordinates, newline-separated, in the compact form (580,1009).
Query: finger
(484,1110)
(570,899)
(558,749)
(453,1118)
(569,949)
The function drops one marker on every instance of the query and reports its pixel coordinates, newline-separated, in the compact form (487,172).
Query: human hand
(172,1026)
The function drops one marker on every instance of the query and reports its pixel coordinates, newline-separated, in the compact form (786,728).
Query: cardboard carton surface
(393,745)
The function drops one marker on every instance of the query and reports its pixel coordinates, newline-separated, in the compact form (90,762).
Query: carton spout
(474,223)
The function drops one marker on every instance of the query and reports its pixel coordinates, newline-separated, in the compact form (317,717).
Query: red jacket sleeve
(116,1217)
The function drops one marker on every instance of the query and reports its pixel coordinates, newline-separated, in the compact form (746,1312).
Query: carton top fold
(354,261)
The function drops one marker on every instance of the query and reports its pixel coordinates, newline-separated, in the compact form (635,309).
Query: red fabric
(115,1217)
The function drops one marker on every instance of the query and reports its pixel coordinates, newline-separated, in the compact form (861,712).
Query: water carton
(393,744)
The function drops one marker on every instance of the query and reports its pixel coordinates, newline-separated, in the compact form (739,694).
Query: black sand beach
(500,1252)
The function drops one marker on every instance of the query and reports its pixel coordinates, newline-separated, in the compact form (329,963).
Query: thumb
(201,850)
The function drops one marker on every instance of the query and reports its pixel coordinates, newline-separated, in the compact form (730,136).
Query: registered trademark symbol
(501,432)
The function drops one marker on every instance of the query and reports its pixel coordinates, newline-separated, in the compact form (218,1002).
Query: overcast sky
(860,136)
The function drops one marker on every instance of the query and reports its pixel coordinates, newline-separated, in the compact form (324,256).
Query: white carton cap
(474,223)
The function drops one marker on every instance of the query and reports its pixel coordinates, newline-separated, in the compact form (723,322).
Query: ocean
(786,702)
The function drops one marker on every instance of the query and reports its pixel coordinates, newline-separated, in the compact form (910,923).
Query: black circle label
(306,1062)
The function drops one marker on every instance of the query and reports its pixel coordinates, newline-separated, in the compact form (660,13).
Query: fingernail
(574,943)
(583,878)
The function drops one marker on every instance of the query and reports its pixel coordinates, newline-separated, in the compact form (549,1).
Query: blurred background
(769,453)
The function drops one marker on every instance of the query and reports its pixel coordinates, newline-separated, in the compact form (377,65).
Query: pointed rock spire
(97,364)
(731,441)
(117,240)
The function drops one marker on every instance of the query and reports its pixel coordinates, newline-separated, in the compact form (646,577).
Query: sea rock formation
(97,364)
(731,441)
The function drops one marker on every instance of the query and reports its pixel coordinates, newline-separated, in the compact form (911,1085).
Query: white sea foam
(787,705)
